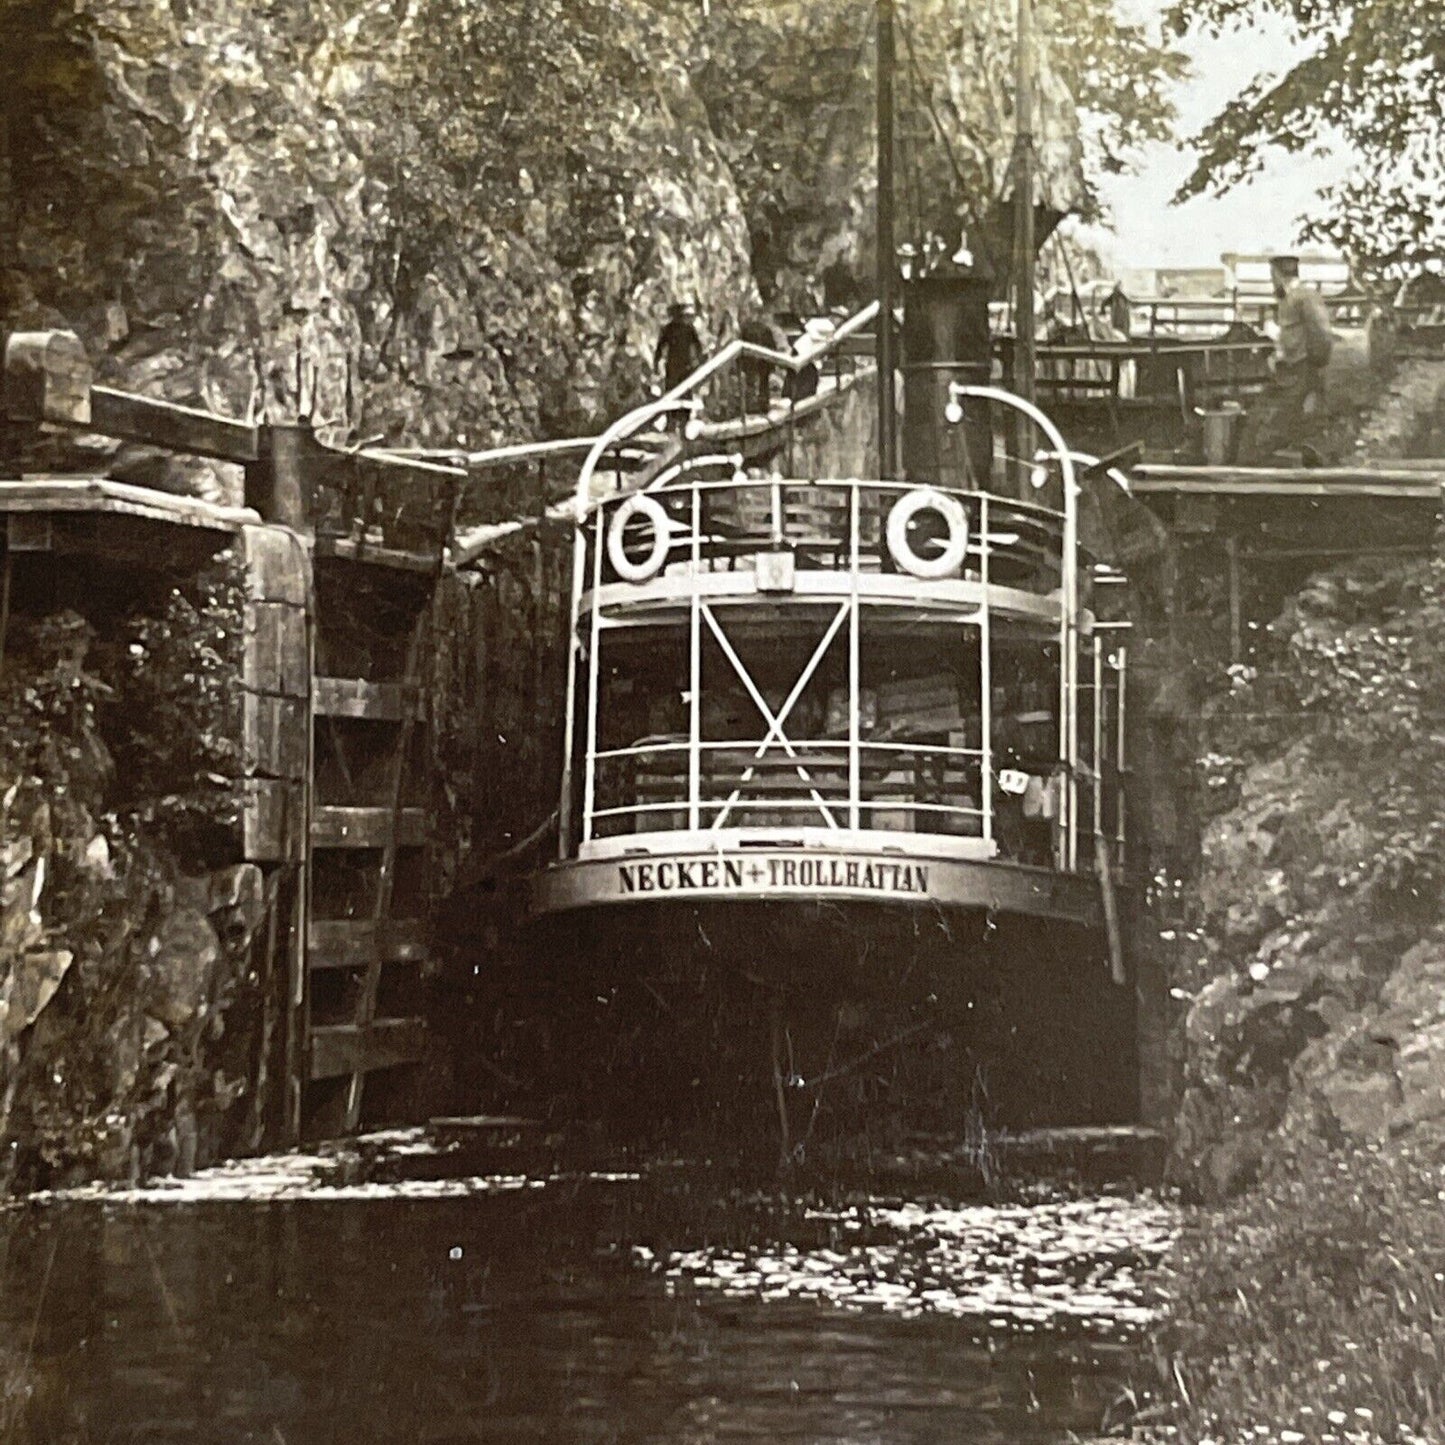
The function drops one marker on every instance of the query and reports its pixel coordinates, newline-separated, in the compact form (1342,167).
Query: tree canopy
(788,85)
(1373,73)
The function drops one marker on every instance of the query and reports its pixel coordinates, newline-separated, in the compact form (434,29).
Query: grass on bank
(1313,1309)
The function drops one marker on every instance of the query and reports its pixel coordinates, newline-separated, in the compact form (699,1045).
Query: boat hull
(860,1019)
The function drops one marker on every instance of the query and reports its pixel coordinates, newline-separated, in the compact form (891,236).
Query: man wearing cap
(1301,354)
(757,372)
(679,348)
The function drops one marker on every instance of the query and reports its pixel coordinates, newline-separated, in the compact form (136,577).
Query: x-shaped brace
(775,724)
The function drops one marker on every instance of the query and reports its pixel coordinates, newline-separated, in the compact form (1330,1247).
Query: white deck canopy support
(1069,608)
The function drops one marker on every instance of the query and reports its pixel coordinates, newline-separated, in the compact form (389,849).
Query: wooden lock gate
(343,553)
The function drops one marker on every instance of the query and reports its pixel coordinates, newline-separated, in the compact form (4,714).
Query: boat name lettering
(764,875)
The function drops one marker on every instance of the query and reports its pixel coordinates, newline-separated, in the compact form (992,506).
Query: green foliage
(481,105)
(1314,1305)
(788,91)
(140,723)
(119,764)
(1373,73)
(174,720)
(1355,687)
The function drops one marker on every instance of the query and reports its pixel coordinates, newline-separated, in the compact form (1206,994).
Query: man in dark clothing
(679,348)
(1281,416)
(757,373)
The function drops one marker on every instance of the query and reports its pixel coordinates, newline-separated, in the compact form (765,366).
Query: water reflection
(1050,1266)
(566,1308)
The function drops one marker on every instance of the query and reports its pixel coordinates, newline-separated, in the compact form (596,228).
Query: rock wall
(1409,419)
(842,441)
(259,209)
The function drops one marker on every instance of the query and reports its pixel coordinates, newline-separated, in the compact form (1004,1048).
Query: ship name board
(773,875)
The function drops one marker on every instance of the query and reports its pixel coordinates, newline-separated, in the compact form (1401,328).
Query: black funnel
(946,339)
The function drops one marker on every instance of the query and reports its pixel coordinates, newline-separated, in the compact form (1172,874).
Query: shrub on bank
(128,999)
(1313,1308)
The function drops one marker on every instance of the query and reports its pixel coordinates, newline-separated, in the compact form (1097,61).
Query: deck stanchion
(589,785)
(1120,760)
(1236,606)
(1068,611)
(985,679)
(855,687)
(1098,753)
(694,705)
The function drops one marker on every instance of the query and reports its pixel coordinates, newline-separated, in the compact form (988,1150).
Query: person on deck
(1283,416)
(679,347)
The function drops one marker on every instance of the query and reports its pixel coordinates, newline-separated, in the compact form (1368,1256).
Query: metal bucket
(1220,430)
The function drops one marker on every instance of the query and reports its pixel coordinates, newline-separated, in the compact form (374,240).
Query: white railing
(1069,610)
(930,788)
(900,778)
(828,525)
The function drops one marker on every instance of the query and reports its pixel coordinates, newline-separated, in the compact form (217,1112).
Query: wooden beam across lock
(132,418)
(49,381)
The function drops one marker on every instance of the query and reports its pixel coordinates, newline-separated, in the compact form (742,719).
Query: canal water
(399,1293)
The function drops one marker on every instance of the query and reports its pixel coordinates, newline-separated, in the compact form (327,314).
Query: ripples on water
(388,1296)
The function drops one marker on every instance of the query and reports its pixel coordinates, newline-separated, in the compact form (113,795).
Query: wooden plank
(357,698)
(1432,465)
(386,872)
(278,568)
(99,494)
(418,467)
(338,1049)
(333,826)
(348,549)
(47,378)
(357,942)
(272,820)
(1400,491)
(275,656)
(498,456)
(1343,479)
(177,428)
(273,735)
(479,1123)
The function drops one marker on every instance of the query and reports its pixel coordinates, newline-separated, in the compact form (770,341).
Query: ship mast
(1024,204)
(883,245)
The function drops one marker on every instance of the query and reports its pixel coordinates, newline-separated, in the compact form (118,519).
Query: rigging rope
(906,28)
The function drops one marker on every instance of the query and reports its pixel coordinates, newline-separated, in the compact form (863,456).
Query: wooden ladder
(368,818)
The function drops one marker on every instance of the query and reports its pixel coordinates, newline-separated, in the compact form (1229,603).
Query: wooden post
(1236,605)
(1024,203)
(7,569)
(47,378)
(1112,929)
(883,243)
(280,483)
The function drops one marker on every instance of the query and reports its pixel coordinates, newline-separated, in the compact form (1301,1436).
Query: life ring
(639,504)
(908,506)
